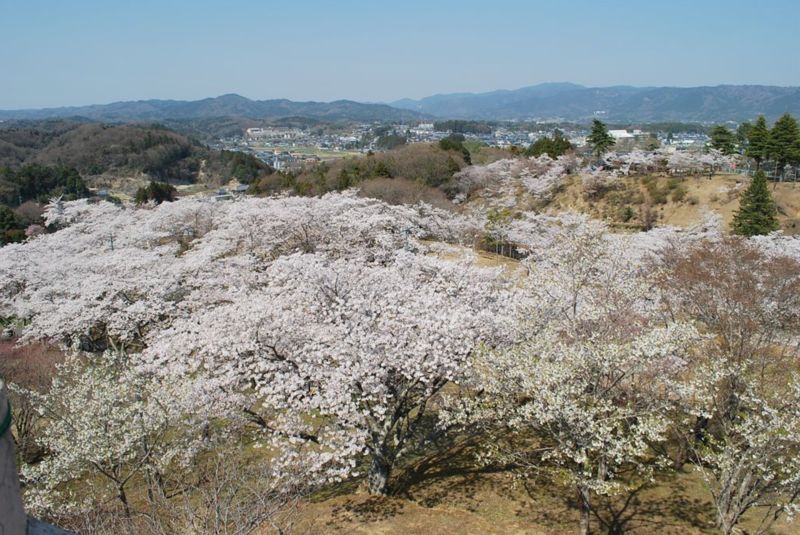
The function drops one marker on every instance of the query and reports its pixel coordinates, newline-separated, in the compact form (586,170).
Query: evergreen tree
(757,140)
(8,219)
(784,143)
(156,191)
(553,147)
(652,142)
(723,139)
(757,213)
(455,142)
(743,136)
(599,139)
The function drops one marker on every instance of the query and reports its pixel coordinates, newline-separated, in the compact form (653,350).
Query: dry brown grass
(460,500)
(719,194)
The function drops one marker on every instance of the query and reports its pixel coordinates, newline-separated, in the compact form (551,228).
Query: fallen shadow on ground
(675,504)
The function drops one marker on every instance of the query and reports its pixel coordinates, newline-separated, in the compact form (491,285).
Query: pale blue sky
(75,52)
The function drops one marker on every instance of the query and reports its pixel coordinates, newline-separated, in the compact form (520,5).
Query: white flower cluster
(501,183)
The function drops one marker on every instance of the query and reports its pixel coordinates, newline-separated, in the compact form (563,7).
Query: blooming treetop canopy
(128,268)
(124,270)
(289,307)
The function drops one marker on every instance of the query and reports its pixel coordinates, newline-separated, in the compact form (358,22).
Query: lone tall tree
(757,140)
(599,139)
(757,213)
(784,143)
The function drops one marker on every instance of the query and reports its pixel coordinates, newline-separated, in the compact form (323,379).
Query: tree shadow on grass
(452,468)
(674,504)
(668,506)
(364,510)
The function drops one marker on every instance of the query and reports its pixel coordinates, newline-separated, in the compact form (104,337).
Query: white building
(620,134)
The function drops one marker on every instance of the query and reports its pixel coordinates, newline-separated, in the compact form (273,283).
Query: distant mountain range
(619,103)
(563,101)
(224,106)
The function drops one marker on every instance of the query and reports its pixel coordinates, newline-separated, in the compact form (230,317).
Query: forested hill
(223,106)
(619,103)
(41,160)
(122,150)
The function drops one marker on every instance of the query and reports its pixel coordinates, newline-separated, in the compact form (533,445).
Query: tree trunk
(124,499)
(681,455)
(583,504)
(726,518)
(378,478)
(725,526)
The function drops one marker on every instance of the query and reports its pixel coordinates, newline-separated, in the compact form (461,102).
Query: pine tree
(743,136)
(784,142)
(757,140)
(723,139)
(757,213)
(599,139)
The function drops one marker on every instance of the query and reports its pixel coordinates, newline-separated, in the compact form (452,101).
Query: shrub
(402,191)
(552,146)
(455,142)
(627,214)
(678,194)
(156,191)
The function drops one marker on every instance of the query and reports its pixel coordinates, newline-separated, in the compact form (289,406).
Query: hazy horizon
(90,52)
(388,102)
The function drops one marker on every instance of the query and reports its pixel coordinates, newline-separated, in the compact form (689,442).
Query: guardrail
(13,520)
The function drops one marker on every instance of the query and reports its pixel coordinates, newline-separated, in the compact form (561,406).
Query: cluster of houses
(289,148)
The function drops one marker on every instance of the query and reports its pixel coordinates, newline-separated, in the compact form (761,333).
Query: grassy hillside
(406,174)
(673,201)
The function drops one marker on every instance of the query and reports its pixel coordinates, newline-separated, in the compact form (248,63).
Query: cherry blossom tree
(365,349)
(511,181)
(586,391)
(598,182)
(747,453)
(741,399)
(106,420)
(123,271)
(321,318)
(693,162)
(338,325)
(638,161)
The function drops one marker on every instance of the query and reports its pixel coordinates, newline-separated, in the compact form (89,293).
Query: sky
(78,52)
